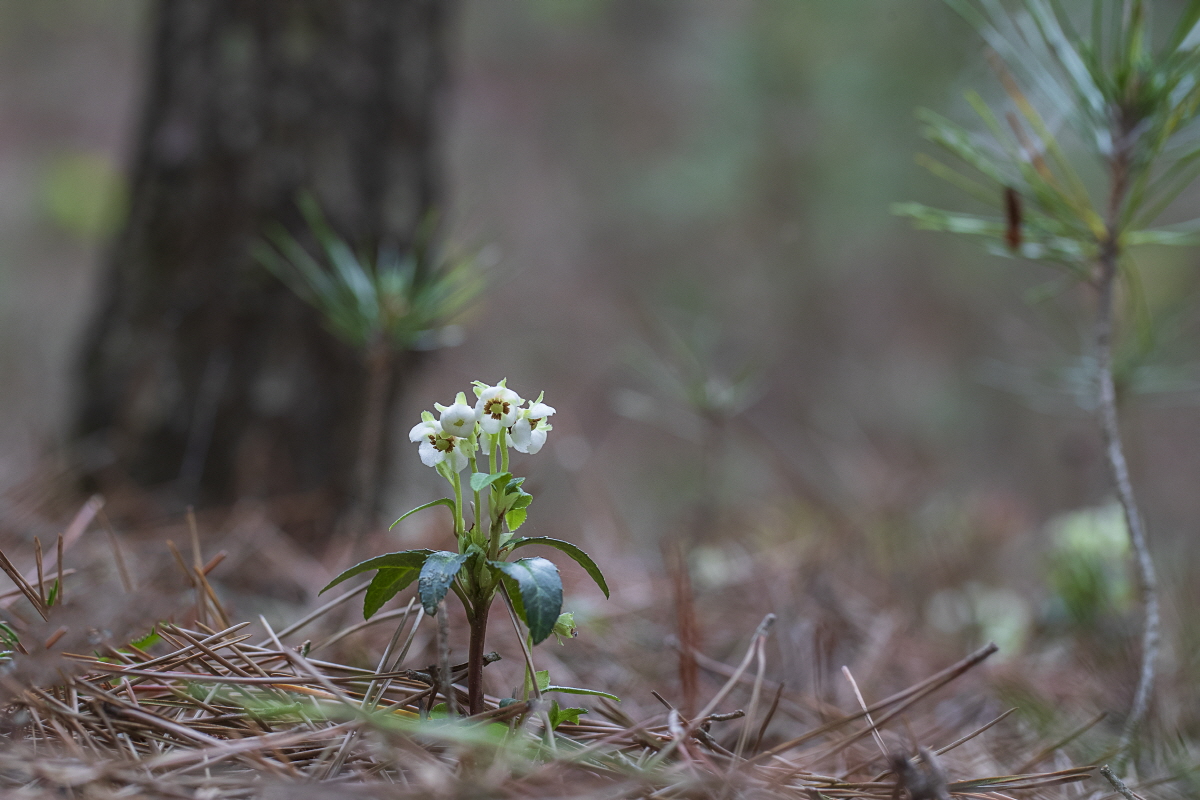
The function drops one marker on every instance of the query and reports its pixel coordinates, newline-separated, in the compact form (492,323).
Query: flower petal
(423,430)
(539,411)
(430,455)
(537,438)
(459,419)
(520,435)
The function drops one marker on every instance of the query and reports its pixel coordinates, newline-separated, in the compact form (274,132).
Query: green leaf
(384,586)
(407,559)
(515,518)
(481,480)
(437,574)
(514,497)
(560,715)
(573,690)
(543,681)
(540,589)
(445,501)
(149,640)
(580,557)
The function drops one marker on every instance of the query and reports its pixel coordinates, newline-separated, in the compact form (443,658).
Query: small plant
(461,436)
(1081,195)
(382,306)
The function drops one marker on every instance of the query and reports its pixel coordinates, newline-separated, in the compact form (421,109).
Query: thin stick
(412,634)
(214,561)
(12,594)
(903,699)
(978,731)
(119,557)
(41,576)
(863,705)
(197,564)
(79,524)
(58,562)
(744,734)
(358,626)
(762,730)
(218,609)
(1063,742)
(22,584)
(958,742)
(761,632)
(312,615)
(444,676)
(1118,784)
(54,637)
(369,700)
(187,573)
(537,693)
(1107,264)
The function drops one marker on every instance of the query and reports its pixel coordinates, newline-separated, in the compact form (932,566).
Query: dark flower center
(444,444)
(496,408)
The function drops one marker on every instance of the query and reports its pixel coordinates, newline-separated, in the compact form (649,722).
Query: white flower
(458,419)
(437,446)
(530,429)
(426,427)
(497,406)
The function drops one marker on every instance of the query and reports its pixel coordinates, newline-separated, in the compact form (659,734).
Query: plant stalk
(478,622)
(380,362)
(1106,278)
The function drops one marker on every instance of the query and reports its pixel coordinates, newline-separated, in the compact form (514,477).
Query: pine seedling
(1099,140)
(382,306)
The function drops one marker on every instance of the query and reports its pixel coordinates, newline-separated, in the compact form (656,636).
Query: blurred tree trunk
(203,374)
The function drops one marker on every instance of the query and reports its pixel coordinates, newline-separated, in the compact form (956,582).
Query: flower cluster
(499,419)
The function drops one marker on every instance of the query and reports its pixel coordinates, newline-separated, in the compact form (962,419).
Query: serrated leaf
(574,551)
(481,480)
(384,586)
(406,559)
(560,715)
(445,501)
(437,574)
(515,518)
(149,640)
(574,690)
(540,588)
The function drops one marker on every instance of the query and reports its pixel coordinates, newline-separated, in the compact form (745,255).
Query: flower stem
(459,527)
(479,517)
(503,444)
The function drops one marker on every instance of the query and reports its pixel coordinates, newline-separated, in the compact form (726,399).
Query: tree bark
(202,373)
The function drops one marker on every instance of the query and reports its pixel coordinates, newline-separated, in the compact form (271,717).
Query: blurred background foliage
(689,203)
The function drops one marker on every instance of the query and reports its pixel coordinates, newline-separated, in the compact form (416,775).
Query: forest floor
(190,658)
